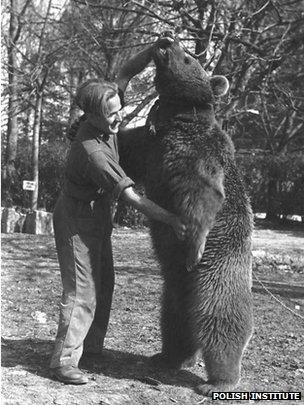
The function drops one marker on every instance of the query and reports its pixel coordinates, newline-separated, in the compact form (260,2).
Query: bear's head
(181,80)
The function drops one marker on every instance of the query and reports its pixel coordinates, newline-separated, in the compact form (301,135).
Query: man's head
(101,103)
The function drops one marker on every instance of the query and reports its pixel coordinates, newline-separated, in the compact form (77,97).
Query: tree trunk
(76,76)
(28,128)
(12,124)
(35,150)
(38,111)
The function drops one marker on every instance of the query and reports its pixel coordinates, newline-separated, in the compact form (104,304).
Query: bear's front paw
(196,245)
(195,255)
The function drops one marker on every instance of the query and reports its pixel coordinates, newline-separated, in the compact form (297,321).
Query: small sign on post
(28,185)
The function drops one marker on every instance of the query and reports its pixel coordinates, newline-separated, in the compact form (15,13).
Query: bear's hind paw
(207,389)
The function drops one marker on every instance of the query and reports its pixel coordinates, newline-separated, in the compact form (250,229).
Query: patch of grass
(279,268)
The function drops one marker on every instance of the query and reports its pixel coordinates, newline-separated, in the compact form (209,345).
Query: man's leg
(78,303)
(93,343)
(78,251)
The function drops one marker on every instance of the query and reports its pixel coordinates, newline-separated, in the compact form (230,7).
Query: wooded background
(50,46)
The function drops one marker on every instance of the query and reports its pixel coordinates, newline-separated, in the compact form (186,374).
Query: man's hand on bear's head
(164,42)
(168,34)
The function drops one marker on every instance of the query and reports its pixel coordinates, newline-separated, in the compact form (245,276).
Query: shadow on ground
(33,356)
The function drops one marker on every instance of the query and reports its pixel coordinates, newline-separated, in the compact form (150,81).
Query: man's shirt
(93,166)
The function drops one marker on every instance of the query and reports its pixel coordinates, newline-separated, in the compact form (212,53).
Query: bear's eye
(187,60)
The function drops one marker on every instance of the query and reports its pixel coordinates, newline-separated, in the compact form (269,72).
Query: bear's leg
(222,367)
(177,349)
(223,373)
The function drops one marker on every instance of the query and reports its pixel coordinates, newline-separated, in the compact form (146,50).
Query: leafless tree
(17,10)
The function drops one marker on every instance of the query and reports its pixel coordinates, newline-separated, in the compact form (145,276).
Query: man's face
(108,124)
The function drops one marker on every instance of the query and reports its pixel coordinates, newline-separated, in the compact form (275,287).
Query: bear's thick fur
(189,169)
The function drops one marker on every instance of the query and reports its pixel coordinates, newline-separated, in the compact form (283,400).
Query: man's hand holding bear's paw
(196,243)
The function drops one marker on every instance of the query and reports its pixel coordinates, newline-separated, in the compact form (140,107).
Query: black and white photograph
(152,202)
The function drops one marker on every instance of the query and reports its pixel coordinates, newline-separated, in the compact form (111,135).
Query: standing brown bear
(189,169)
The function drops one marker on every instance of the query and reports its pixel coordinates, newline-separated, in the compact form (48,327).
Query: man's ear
(219,85)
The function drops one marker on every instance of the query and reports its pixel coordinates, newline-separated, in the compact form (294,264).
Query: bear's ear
(219,85)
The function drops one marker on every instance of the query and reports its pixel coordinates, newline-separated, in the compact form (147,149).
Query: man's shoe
(69,375)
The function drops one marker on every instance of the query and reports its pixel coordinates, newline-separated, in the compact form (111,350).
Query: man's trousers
(83,243)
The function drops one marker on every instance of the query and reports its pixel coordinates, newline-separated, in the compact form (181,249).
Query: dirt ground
(273,361)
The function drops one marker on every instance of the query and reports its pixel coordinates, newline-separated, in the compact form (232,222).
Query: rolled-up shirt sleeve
(107,174)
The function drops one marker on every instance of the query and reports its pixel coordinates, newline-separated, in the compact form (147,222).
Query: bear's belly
(229,240)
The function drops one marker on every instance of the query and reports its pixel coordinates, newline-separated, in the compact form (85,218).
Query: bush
(274,182)
(126,215)
(12,192)
(51,172)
